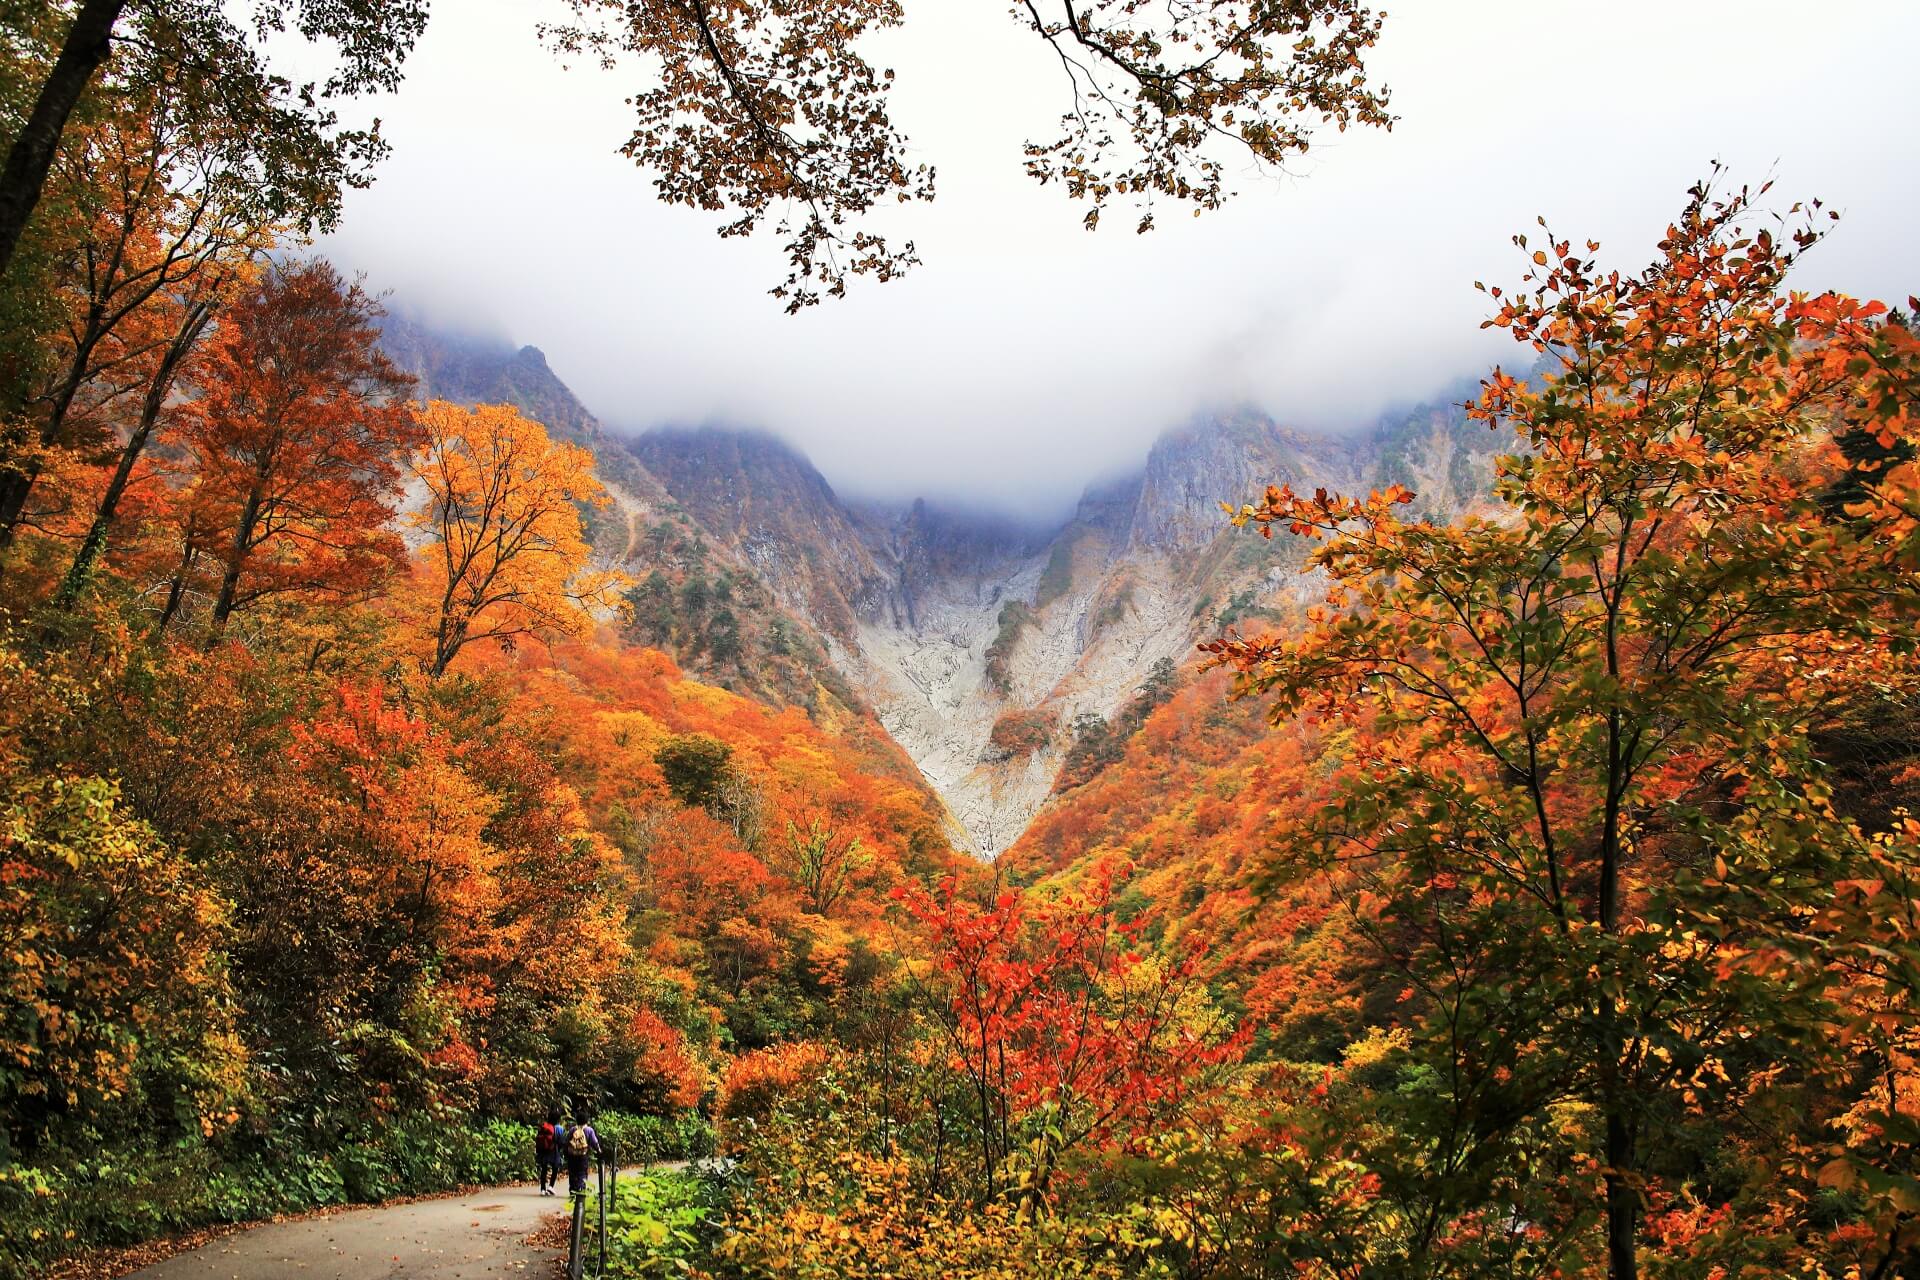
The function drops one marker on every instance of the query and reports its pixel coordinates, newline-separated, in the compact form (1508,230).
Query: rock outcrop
(956,626)
(977,641)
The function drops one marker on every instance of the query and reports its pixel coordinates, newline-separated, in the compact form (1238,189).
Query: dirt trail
(459,1238)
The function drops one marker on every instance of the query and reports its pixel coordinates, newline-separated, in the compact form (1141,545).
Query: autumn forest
(1501,867)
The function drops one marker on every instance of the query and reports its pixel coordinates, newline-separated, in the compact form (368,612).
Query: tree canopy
(773,113)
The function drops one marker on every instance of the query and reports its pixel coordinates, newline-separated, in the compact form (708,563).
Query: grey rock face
(947,622)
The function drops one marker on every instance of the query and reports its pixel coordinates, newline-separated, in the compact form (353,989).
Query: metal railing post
(577,1256)
(600,1187)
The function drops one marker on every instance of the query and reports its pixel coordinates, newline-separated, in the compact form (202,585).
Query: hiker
(546,1152)
(580,1143)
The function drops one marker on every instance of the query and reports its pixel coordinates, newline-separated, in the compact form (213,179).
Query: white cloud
(1026,355)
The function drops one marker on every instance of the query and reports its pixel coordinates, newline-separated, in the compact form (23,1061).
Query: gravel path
(458,1238)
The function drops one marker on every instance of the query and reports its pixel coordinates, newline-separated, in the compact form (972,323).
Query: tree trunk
(24,175)
(242,539)
(81,571)
(16,484)
(449,638)
(177,589)
(1623,1202)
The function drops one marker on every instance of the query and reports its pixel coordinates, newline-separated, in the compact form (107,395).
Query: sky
(1026,356)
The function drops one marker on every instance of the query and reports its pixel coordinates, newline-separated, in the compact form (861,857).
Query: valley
(977,642)
(957,741)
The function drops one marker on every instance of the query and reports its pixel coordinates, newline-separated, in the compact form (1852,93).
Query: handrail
(603,1185)
(576,1256)
(606,1178)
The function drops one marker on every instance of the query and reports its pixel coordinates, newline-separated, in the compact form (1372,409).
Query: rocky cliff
(984,646)
(697,594)
(980,642)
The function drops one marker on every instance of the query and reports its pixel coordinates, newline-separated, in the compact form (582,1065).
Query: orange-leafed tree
(178,231)
(163,224)
(297,437)
(370,909)
(1586,823)
(508,555)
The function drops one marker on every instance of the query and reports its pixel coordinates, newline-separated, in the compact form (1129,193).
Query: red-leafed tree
(297,432)
(1068,1036)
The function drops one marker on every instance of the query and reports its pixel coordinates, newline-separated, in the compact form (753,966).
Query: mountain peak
(475,369)
(953,622)
(758,492)
(1195,467)
(769,467)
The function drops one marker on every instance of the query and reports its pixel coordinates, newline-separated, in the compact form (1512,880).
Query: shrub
(867,1221)
(494,1151)
(112,989)
(1017,734)
(284,1181)
(757,1081)
(685,1135)
(660,1224)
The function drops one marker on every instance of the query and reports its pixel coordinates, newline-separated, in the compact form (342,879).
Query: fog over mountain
(976,644)
(1320,297)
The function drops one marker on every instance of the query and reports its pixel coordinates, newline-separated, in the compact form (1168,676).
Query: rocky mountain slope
(985,647)
(697,597)
(983,644)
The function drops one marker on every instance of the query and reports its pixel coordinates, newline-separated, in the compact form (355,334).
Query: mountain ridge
(982,643)
(977,643)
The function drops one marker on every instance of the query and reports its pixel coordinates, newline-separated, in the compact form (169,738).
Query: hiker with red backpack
(546,1151)
(579,1144)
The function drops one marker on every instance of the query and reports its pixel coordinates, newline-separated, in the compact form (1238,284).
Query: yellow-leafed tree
(507,554)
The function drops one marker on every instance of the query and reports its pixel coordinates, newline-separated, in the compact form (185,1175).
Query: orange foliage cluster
(1573,848)
(723,898)
(413,819)
(1054,1010)
(1017,733)
(662,1054)
(759,1080)
(1201,789)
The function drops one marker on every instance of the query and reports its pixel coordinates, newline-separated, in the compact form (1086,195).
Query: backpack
(577,1141)
(548,1139)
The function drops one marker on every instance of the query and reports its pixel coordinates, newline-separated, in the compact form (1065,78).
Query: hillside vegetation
(1519,880)
(343,828)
